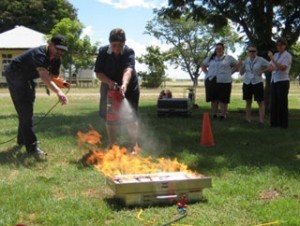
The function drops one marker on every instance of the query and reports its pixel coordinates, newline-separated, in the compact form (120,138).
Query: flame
(119,161)
(92,138)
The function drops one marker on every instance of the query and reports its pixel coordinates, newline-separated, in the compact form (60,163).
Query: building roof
(21,37)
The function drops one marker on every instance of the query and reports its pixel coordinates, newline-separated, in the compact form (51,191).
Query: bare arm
(204,68)
(126,78)
(280,67)
(44,75)
(103,78)
(269,68)
(236,67)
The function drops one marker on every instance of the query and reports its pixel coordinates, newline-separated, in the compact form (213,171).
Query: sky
(101,16)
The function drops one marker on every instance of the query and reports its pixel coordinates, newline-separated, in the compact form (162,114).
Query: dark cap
(117,35)
(59,42)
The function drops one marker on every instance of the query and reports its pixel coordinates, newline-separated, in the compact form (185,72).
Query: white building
(19,39)
(14,42)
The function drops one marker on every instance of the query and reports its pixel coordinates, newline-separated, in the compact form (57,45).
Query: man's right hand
(63,99)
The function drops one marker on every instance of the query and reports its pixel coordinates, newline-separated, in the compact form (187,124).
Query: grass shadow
(17,157)
(118,204)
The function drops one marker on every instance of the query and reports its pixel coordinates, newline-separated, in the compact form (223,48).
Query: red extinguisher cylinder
(114,100)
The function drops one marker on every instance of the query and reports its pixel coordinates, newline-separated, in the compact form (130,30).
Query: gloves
(60,82)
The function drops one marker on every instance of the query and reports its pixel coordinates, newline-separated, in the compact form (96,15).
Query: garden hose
(146,223)
(35,124)
(269,223)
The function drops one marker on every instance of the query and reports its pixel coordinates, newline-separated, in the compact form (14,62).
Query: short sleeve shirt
(28,62)
(113,66)
(253,70)
(285,59)
(220,67)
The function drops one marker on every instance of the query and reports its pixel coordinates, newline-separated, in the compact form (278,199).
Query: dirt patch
(269,195)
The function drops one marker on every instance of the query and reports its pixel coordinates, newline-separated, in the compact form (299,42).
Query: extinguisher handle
(116,86)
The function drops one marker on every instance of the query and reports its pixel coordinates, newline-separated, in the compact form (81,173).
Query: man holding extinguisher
(40,62)
(115,68)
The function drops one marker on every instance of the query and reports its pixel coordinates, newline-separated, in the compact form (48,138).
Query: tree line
(190,27)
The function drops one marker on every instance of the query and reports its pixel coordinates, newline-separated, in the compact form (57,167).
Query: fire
(92,137)
(119,161)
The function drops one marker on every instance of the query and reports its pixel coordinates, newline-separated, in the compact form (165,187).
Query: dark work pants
(22,93)
(279,104)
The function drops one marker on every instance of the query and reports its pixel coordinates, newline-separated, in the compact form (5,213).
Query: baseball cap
(59,42)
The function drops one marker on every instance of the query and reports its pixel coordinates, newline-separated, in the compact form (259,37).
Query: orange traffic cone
(207,138)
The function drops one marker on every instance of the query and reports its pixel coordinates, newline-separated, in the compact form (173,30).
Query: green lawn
(255,170)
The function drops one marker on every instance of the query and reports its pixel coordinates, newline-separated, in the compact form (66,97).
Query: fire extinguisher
(114,99)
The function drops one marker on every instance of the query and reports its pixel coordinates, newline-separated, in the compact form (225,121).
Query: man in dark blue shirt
(41,62)
(115,64)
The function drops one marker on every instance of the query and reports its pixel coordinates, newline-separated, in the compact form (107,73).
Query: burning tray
(147,189)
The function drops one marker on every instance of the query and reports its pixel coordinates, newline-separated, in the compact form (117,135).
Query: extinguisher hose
(45,115)
(177,219)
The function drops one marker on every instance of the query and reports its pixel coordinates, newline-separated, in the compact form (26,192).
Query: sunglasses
(252,51)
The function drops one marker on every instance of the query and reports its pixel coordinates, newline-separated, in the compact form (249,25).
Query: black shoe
(20,144)
(35,151)
(39,154)
(222,117)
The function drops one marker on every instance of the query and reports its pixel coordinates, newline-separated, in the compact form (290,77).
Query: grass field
(255,170)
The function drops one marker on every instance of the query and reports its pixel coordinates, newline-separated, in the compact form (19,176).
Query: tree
(295,70)
(262,21)
(81,53)
(191,41)
(40,15)
(155,60)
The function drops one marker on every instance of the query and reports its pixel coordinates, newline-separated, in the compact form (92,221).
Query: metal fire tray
(174,106)
(148,189)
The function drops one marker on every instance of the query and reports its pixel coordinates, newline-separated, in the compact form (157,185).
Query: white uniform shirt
(253,70)
(220,67)
(285,59)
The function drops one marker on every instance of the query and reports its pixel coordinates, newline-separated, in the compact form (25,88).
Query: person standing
(280,83)
(252,68)
(218,69)
(115,65)
(40,62)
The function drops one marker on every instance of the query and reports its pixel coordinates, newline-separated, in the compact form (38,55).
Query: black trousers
(279,104)
(22,92)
